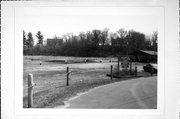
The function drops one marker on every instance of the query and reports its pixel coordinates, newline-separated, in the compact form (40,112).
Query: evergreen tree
(24,38)
(30,40)
(39,37)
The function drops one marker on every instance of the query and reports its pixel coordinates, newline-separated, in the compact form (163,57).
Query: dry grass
(51,89)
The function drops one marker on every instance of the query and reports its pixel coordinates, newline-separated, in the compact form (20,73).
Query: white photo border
(17,73)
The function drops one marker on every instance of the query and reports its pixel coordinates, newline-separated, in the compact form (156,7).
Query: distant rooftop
(149,52)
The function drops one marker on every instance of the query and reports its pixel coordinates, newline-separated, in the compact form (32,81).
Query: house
(144,56)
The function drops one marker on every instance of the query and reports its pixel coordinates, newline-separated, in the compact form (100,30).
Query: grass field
(50,78)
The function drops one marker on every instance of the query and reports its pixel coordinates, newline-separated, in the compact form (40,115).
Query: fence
(31,83)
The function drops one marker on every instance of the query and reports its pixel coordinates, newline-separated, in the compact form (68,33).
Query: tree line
(95,43)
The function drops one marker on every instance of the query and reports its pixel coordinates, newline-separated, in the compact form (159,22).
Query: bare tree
(96,37)
(122,33)
(155,40)
(104,36)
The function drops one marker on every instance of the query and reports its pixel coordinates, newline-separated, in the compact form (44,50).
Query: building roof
(144,52)
(149,52)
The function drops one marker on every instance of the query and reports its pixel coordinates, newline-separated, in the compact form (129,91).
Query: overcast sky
(62,20)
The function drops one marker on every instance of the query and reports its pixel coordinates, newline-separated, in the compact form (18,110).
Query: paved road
(138,93)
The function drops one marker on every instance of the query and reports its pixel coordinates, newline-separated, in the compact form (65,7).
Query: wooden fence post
(130,66)
(67,80)
(111,72)
(151,71)
(135,71)
(30,90)
(118,65)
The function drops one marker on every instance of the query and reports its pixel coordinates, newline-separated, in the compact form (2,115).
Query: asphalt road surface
(140,93)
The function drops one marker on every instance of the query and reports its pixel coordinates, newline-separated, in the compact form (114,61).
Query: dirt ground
(50,77)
